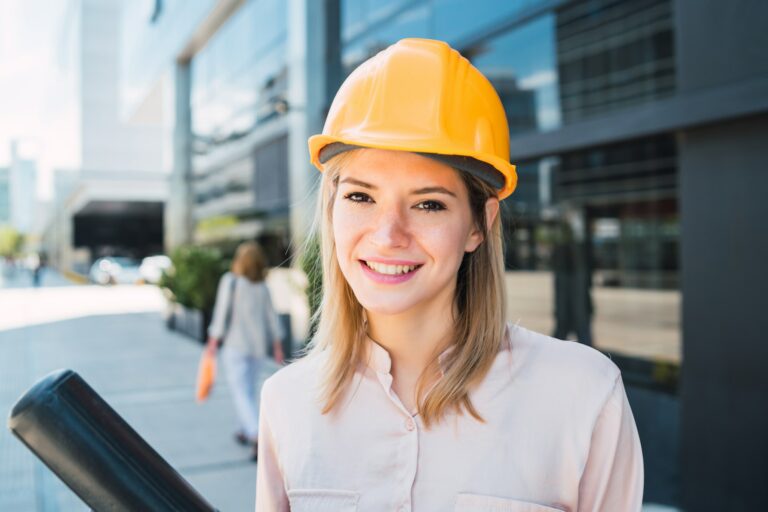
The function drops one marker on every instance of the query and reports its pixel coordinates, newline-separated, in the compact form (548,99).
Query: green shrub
(11,242)
(194,276)
(312,267)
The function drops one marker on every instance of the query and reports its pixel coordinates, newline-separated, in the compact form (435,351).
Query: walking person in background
(244,321)
(38,266)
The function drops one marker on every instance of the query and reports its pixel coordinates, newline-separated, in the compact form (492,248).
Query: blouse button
(409,424)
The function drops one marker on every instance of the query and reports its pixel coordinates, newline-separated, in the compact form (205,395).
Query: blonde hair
(250,262)
(479,301)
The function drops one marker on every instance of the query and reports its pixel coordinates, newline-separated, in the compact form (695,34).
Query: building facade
(636,126)
(234,76)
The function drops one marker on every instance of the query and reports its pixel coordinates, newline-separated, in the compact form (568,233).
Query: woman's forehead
(387,168)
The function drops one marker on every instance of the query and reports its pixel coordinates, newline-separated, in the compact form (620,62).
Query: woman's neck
(412,338)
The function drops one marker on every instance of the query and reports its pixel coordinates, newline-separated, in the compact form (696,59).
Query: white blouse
(558,436)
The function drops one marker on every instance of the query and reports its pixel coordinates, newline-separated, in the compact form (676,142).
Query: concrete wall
(720,43)
(724,435)
(724,417)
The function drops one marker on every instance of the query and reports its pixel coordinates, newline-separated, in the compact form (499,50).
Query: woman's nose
(391,230)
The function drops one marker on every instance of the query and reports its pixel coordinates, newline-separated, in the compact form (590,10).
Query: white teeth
(390,269)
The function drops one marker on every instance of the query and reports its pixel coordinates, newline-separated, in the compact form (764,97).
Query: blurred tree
(194,276)
(11,242)
(311,264)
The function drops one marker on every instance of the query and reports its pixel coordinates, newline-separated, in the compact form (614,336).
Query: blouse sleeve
(216,328)
(270,485)
(612,480)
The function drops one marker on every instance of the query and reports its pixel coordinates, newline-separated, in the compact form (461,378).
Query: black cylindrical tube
(94,451)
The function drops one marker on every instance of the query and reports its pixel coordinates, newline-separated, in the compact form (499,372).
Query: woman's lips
(387,278)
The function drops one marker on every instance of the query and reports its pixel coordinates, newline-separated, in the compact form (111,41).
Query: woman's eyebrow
(359,183)
(418,191)
(432,190)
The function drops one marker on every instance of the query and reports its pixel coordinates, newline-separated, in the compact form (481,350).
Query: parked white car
(152,267)
(115,270)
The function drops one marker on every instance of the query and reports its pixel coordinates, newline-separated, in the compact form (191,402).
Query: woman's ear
(491,211)
(476,237)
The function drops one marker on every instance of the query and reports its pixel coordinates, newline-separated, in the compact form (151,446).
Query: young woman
(416,395)
(245,321)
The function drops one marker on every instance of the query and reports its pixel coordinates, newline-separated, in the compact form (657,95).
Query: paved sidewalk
(22,278)
(115,339)
(145,372)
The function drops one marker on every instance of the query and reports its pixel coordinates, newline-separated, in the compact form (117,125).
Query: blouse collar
(380,361)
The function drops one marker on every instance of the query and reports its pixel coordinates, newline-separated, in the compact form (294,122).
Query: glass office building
(220,69)
(593,231)
(238,87)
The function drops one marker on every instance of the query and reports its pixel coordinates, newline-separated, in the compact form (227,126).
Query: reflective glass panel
(413,22)
(592,248)
(455,20)
(239,78)
(358,16)
(521,65)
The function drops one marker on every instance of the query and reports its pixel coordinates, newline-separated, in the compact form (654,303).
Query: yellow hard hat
(422,96)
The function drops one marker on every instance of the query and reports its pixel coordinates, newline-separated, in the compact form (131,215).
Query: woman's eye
(358,197)
(431,206)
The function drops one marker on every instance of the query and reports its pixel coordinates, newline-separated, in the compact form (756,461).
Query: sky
(38,93)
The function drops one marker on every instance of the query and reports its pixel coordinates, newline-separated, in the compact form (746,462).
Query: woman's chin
(379,307)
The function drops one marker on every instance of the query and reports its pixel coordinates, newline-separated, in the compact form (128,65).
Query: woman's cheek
(446,240)
(344,232)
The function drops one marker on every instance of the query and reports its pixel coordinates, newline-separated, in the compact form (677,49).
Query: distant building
(113,203)
(5,195)
(22,188)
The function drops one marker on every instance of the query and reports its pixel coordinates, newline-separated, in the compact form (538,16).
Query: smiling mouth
(390,270)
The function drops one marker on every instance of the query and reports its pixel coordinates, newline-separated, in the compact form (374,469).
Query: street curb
(75,277)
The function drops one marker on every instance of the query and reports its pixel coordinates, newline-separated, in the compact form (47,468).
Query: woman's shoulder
(294,382)
(225,281)
(228,277)
(256,288)
(566,364)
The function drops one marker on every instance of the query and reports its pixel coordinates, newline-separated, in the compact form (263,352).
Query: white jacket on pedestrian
(253,322)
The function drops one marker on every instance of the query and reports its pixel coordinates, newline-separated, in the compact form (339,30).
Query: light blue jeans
(243,374)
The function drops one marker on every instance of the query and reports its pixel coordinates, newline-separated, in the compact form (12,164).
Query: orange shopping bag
(206,374)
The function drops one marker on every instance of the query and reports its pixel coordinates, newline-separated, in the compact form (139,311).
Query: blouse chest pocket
(478,503)
(322,500)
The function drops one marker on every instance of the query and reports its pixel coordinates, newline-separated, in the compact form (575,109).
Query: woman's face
(402,224)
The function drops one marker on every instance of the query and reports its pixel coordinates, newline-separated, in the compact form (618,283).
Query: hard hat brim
(495,171)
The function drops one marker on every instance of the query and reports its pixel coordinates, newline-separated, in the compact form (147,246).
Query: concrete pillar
(724,416)
(313,69)
(724,250)
(179,224)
